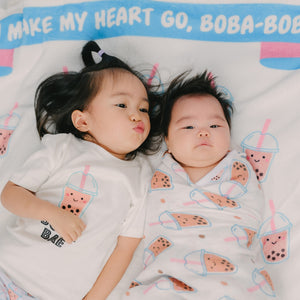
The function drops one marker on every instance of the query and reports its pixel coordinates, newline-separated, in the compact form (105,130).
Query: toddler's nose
(135,117)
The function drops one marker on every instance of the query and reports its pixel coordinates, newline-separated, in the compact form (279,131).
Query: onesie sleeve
(38,167)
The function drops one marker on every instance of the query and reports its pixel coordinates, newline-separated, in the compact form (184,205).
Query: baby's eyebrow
(188,118)
(218,117)
(182,119)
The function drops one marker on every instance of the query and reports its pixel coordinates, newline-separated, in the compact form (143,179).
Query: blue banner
(102,19)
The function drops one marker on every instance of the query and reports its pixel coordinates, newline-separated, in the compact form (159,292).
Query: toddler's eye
(214,126)
(145,110)
(189,127)
(122,105)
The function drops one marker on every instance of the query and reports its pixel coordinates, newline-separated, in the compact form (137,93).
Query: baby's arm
(114,268)
(24,203)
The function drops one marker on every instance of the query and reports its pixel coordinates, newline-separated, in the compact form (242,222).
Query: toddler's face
(118,116)
(198,134)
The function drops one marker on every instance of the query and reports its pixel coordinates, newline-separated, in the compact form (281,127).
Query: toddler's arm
(24,203)
(114,268)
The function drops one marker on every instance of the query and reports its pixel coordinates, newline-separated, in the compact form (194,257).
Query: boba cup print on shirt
(79,192)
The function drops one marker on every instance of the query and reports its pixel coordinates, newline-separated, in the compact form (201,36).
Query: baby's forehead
(198,107)
(198,102)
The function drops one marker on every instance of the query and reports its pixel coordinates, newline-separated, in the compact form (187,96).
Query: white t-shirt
(107,193)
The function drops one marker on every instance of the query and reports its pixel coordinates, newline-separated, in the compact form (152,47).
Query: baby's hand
(66,224)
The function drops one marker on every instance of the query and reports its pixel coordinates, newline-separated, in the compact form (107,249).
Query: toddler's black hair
(62,93)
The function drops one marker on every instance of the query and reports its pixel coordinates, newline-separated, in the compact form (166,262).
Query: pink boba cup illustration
(204,263)
(211,200)
(8,123)
(161,181)
(6,61)
(242,235)
(274,237)
(280,55)
(263,282)
(79,192)
(260,148)
(155,248)
(170,283)
(179,221)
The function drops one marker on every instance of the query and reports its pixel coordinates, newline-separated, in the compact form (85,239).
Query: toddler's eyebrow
(117,94)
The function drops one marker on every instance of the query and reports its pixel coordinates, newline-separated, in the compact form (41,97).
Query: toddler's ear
(167,143)
(79,120)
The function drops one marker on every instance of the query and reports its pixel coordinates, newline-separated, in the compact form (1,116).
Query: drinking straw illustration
(161,222)
(272,221)
(186,261)
(84,175)
(263,133)
(154,284)
(258,286)
(10,114)
(229,190)
(235,238)
(65,69)
(152,74)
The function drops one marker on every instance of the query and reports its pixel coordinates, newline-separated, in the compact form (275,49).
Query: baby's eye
(122,105)
(145,110)
(214,126)
(189,127)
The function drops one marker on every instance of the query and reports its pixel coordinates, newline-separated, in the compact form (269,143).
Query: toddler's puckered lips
(139,128)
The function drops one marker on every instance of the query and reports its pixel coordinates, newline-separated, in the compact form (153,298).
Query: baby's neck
(196,173)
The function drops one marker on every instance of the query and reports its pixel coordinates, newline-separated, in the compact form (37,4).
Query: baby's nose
(203,133)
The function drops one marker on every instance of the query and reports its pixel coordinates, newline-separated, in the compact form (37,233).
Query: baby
(205,205)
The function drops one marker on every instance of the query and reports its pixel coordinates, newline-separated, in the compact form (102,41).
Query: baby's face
(198,135)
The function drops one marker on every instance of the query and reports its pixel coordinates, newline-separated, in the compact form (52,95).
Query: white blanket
(252,48)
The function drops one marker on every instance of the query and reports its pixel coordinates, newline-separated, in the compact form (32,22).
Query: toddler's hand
(67,225)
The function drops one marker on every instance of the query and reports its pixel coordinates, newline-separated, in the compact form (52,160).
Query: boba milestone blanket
(252,47)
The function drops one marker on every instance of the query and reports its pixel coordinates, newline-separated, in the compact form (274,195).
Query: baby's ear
(79,120)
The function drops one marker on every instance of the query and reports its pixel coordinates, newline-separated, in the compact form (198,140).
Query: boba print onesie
(201,239)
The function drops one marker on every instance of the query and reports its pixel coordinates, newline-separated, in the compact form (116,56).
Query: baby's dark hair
(199,84)
(62,93)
